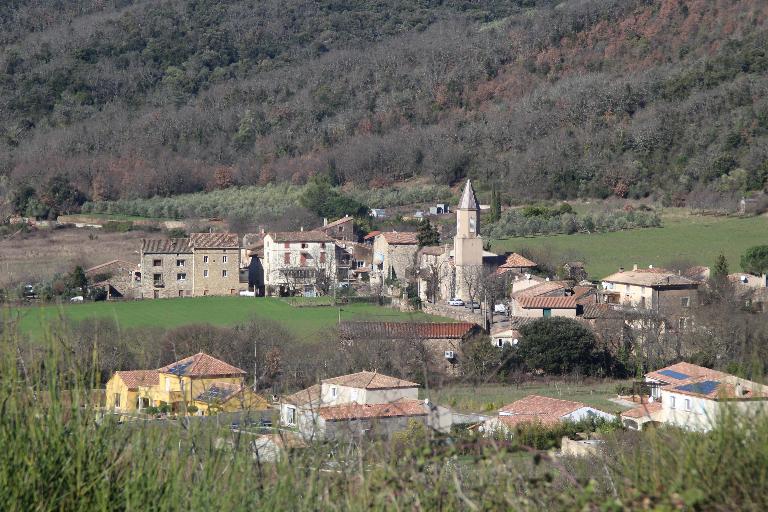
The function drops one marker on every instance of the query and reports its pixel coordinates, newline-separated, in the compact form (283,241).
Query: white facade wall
(320,256)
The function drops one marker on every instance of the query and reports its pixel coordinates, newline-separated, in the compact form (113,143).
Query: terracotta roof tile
(544,302)
(643,410)
(604,311)
(541,289)
(400,238)
(686,372)
(535,408)
(370,380)
(135,378)
(649,277)
(406,330)
(372,234)
(305,396)
(337,222)
(515,260)
(214,241)
(169,246)
(201,365)
(300,236)
(112,266)
(364,411)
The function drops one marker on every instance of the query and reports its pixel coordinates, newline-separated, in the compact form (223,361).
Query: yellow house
(200,380)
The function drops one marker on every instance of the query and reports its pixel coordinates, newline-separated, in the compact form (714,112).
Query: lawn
(304,322)
(488,398)
(698,239)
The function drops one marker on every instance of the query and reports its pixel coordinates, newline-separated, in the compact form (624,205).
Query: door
(156,294)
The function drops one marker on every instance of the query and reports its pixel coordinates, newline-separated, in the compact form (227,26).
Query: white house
(695,398)
(543,410)
(299,262)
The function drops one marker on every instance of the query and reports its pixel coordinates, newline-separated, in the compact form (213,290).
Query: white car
(78,298)
(500,308)
(456,302)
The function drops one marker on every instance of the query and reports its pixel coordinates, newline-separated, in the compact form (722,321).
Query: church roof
(468,198)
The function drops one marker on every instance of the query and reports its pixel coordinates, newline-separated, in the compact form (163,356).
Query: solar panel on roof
(214,393)
(180,369)
(674,374)
(704,387)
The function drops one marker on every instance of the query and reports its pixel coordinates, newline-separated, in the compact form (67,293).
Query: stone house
(203,264)
(443,341)
(670,295)
(436,274)
(299,262)
(340,229)
(394,253)
(544,306)
(120,279)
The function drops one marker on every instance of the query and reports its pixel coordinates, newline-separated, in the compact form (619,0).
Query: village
(501,299)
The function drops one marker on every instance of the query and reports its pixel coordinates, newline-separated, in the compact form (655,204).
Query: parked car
(473,304)
(501,308)
(456,302)
(78,298)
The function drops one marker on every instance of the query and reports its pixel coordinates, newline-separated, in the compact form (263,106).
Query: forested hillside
(126,99)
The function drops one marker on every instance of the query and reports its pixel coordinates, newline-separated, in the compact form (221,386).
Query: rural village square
(384,255)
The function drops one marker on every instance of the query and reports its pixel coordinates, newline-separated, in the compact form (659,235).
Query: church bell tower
(467,244)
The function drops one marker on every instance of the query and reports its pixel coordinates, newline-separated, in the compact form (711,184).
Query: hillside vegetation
(127,99)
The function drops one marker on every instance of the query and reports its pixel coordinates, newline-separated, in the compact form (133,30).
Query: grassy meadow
(699,239)
(302,322)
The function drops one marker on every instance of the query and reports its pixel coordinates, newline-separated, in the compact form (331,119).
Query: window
(354,395)
(205,273)
(303,260)
(626,288)
(360,264)
(687,404)
(180,263)
(117,400)
(546,313)
(681,323)
(340,229)
(500,342)
(223,273)
(157,279)
(322,245)
(287,258)
(287,245)
(472,225)
(157,263)
(322,257)
(205,259)
(223,259)
(290,415)
(304,246)
(685,302)
(167,384)
(334,391)
(671,402)
(181,277)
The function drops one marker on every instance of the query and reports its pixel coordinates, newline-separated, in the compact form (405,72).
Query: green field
(699,239)
(491,397)
(304,322)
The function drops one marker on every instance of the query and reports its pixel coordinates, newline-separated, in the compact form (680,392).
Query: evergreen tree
(720,270)
(495,213)
(428,234)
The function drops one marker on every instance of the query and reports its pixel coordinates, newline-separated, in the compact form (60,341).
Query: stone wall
(459,313)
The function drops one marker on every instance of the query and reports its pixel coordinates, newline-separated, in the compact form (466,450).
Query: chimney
(325,221)
(302,228)
(634,267)
(621,269)
(650,266)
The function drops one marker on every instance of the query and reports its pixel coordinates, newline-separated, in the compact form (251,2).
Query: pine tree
(720,270)
(495,213)
(428,234)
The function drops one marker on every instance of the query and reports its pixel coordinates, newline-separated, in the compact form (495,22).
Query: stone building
(120,279)
(203,264)
(340,229)
(467,244)
(394,254)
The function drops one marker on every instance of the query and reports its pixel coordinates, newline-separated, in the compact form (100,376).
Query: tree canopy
(560,345)
(755,260)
